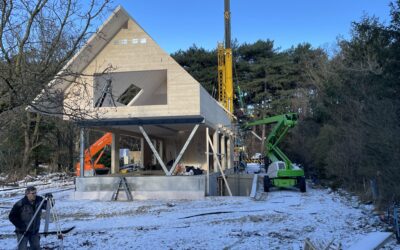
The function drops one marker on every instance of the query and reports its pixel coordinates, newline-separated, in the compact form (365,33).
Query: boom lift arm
(281,172)
(283,124)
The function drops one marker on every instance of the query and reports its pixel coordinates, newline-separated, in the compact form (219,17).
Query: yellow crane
(225,81)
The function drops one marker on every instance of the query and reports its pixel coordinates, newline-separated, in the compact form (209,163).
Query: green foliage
(358,106)
(348,103)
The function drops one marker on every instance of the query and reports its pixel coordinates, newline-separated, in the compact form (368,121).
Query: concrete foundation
(142,187)
(164,187)
(240,184)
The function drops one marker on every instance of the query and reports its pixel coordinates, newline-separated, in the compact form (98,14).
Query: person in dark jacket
(22,213)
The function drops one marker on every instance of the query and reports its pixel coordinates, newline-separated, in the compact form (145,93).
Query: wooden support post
(229,155)
(115,153)
(254,186)
(154,159)
(142,152)
(82,153)
(208,161)
(154,150)
(257,136)
(183,148)
(220,168)
(160,149)
(216,147)
(223,152)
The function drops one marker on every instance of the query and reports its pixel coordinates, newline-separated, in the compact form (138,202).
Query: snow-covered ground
(283,221)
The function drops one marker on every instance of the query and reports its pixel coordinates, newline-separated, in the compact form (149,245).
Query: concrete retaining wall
(142,187)
(161,187)
(214,184)
(240,184)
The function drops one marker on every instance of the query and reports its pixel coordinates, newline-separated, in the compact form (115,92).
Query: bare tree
(37,39)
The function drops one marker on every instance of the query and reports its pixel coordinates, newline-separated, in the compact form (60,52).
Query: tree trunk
(27,143)
(31,138)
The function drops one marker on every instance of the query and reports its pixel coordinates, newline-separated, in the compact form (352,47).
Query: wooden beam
(254,186)
(82,153)
(154,150)
(183,149)
(122,132)
(223,151)
(216,144)
(208,161)
(115,153)
(220,168)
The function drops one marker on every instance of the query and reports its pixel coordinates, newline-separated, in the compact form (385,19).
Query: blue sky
(178,24)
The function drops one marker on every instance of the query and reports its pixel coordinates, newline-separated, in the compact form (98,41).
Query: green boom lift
(281,172)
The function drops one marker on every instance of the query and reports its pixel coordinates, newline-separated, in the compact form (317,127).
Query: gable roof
(87,53)
(94,49)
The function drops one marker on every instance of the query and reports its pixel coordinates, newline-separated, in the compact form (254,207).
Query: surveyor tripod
(49,210)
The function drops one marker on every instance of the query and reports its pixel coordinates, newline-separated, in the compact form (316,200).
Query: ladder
(122,185)
(107,89)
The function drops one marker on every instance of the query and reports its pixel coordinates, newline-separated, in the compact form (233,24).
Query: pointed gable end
(122,73)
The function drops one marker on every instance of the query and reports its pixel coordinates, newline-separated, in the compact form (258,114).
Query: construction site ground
(283,220)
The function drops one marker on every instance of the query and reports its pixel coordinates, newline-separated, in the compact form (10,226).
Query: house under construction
(172,115)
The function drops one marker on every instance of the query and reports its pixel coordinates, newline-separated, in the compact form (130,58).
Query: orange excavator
(90,152)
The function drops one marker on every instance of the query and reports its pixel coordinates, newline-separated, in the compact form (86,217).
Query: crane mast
(225,81)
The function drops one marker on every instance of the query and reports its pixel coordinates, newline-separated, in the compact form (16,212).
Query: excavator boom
(90,152)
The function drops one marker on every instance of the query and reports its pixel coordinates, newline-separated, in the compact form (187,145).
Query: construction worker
(22,214)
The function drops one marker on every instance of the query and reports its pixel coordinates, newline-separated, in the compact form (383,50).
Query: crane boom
(225,80)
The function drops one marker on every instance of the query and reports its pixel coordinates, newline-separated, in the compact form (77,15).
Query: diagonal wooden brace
(183,149)
(219,166)
(154,150)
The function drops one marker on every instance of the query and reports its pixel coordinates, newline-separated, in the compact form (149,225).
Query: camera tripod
(49,210)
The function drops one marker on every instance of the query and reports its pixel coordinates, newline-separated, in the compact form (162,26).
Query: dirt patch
(146,229)
(74,216)
(274,218)
(281,235)
(143,209)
